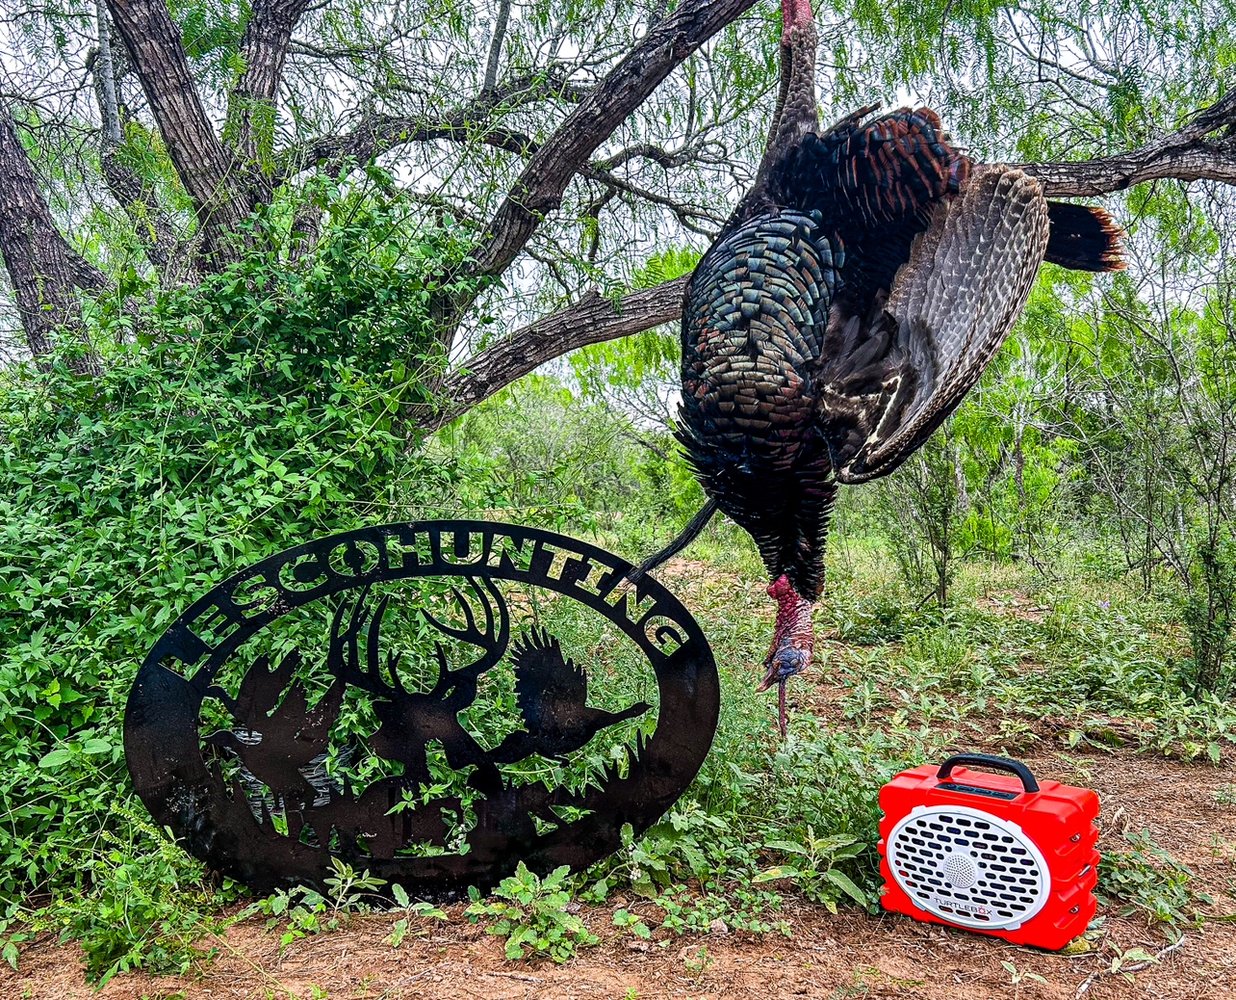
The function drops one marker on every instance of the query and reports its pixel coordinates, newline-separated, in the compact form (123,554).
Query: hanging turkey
(851,301)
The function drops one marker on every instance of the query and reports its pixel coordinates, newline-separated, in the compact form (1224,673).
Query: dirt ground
(1187,808)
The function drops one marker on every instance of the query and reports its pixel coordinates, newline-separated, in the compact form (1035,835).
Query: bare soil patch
(1013,604)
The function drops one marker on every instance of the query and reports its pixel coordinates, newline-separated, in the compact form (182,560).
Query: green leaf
(55,758)
(843,882)
(787,846)
(775,873)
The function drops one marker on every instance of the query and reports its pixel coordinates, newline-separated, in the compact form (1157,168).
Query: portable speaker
(999,855)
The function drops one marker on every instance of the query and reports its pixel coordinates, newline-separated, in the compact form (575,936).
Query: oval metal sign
(431,701)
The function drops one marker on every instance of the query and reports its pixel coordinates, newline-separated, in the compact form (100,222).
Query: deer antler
(343,657)
(493,638)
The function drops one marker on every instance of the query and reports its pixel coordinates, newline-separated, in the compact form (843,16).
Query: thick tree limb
(539,189)
(591,320)
(47,274)
(251,106)
(378,133)
(1189,154)
(139,200)
(206,168)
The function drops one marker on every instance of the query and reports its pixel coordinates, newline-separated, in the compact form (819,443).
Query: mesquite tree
(254,247)
(139,137)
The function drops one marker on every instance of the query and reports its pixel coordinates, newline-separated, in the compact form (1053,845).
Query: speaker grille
(968,867)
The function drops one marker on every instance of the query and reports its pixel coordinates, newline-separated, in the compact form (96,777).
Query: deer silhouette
(410,719)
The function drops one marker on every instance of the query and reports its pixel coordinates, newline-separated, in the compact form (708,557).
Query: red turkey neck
(795,114)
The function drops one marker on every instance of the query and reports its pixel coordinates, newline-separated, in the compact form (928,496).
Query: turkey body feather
(754,325)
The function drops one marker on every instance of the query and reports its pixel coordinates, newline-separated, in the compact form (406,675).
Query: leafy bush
(264,405)
(149,907)
(302,911)
(1145,879)
(1210,614)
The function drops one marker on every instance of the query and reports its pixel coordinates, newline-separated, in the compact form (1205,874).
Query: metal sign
(395,697)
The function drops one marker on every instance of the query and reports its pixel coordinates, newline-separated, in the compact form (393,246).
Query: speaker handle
(1016,767)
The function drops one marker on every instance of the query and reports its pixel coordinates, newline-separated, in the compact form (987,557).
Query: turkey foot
(790,652)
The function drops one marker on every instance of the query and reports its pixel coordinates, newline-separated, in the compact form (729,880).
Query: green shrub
(232,419)
(531,913)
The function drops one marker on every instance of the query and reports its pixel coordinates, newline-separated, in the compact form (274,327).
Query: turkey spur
(852,299)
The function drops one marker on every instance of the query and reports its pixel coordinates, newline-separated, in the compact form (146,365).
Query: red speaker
(999,855)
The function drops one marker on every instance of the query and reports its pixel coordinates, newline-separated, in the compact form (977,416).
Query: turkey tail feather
(1083,238)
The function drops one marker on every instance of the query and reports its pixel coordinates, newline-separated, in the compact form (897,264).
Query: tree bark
(591,320)
(495,45)
(139,199)
(475,118)
(251,106)
(47,274)
(1192,160)
(1188,154)
(210,174)
(540,187)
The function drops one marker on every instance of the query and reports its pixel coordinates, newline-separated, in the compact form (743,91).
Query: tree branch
(206,168)
(1186,155)
(105,78)
(251,106)
(591,320)
(48,275)
(689,216)
(495,45)
(378,133)
(539,189)
(139,200)
(471,120)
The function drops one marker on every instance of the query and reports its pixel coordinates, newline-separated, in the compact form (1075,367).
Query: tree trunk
(212,177)
(48,275)
(138,198)
(251,107)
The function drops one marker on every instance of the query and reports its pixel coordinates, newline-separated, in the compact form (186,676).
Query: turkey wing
(950,307)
